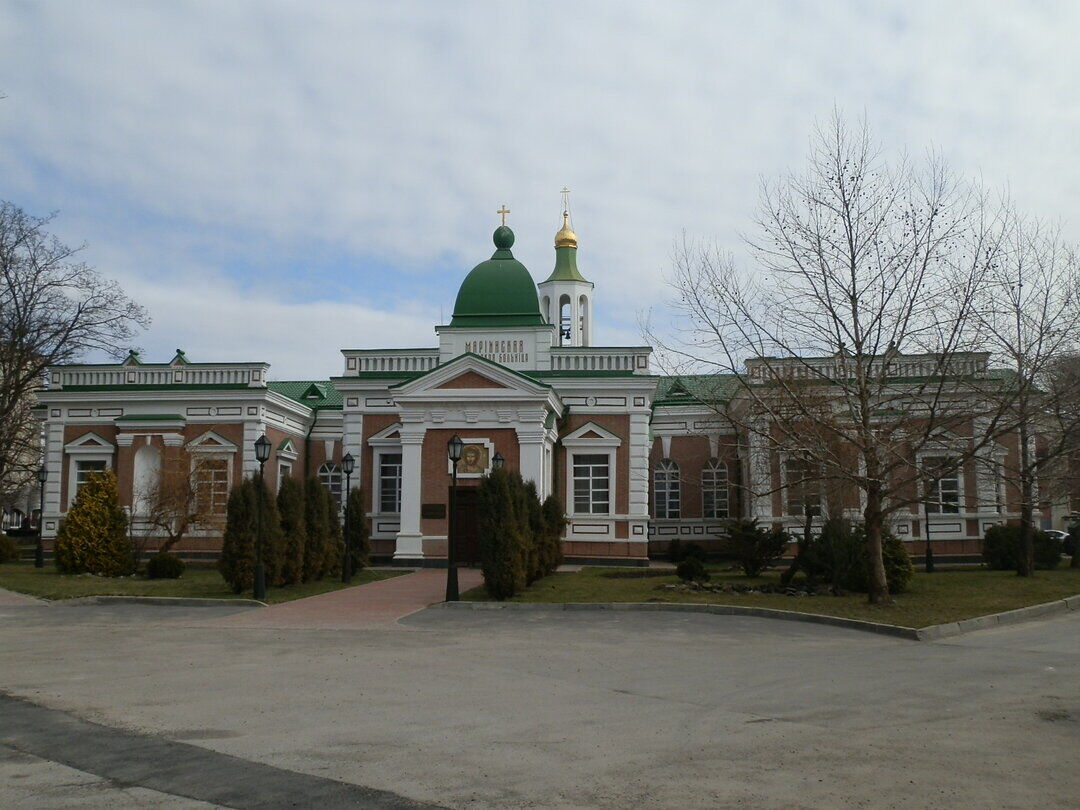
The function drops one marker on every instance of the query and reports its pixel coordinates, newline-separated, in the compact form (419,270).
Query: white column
(54,464)
(760,485)
(352,439)
(639,465)
(410,545)
(531,456)
(253,429)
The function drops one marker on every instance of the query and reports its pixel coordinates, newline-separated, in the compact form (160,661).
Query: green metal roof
(695,389)
(319,395)
(498,292)
(566,266)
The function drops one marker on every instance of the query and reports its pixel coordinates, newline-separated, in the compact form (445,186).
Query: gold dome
(566,237)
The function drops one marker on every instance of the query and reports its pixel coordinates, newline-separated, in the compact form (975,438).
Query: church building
(638,459)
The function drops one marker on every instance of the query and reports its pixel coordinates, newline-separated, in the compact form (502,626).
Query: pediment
(212,441)
(594,434)
(471,379)
(89,441)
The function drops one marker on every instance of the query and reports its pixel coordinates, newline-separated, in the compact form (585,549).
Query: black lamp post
(262,453)
(453,451)
(497,461)
(928,561)
(39,552)
(348,464)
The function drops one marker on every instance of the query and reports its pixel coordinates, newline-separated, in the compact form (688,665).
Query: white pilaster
(531,456)
(639,464)
(760,484)
(253,429)
(352,440)
(54,464)
(410,544)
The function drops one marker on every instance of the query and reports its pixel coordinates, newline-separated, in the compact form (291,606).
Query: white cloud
(180,135)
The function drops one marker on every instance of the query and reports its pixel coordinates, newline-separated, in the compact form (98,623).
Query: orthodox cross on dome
(565,199)
(504,211)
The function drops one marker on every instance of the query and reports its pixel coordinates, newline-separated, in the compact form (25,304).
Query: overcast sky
(277,181)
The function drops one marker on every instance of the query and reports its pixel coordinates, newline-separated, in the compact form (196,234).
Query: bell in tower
(566,296)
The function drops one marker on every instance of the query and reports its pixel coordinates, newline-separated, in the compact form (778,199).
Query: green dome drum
(498,292)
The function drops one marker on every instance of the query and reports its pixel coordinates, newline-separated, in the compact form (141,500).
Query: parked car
(1063,538)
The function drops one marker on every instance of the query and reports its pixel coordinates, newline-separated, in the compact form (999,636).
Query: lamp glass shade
(348,464)
(454,448)
(262,449)
(497,461)
(42,474)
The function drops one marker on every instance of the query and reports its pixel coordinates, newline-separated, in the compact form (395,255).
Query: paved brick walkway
(377,604)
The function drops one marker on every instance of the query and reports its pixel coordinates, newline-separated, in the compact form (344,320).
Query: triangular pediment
(89,441)
(389,434)
(470,379)
(592,433)
(470,372)
(211,441)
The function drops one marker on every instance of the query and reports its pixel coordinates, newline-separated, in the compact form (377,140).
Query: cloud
(353,154)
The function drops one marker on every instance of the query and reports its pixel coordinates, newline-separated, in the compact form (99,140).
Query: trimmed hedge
(1001,549)
(291,509)
(165,566)
(692,569)
(520,538)
(93,537)
(9,549)
(357,532)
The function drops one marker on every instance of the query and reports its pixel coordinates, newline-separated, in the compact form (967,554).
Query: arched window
(566,322)
(666,489)
(330,475)
(583,308)
(715,499)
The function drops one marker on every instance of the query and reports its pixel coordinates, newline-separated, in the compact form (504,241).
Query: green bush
(839,556)
(678,551)
(502,534)
(165,566)
(335,547)
(1001,549)
(93,537)
(9,549)
(692,569)
(753,548)
(317,553)
(357,531)
(290,504)
(553,524)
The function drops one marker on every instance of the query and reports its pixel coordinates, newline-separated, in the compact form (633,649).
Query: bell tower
(566,296)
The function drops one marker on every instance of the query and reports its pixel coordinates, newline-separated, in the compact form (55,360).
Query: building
(638,459)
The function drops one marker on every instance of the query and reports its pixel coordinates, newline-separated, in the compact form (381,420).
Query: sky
(276,181)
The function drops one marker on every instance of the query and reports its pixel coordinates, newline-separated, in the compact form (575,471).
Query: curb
(932,633)
(161,601)
(676,607)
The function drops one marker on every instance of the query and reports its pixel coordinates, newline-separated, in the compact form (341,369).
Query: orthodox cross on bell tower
(503,211)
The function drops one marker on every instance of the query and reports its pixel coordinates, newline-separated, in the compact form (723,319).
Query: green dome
(498,292)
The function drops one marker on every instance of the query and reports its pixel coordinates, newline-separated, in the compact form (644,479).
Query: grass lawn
(205,583)
(944,596)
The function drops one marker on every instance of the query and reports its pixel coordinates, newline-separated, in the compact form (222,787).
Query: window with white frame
(85,468)
(802,485)
(666,489)
(390,483)
(330,476)
(943,491)
(715,498)
(284,471)
(210,477)
(592,483)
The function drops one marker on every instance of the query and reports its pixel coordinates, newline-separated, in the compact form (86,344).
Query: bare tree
(175,502)
(53,309)
(851,343)
(1026,307)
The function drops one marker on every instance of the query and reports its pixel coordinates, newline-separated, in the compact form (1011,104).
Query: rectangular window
(390,483)
(803,480)
(84,469)
(284,471)
(211,480)
(942,495)
(592,487)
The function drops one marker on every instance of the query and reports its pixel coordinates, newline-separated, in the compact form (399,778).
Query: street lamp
(497,461)
(39,552)
(453,452)
(348,464)
(262,453)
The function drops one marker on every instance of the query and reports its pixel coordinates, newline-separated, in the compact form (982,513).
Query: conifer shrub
(691,569)
(317,552)
(290,504)
(534,560)
(752,547)
(237,560)
(335,547)
(502,557)
(678,551)
(357,531)
(1001,549)
(165,566)
(273,538)
(838,556)
(553,524)
(9,549)
(93,537)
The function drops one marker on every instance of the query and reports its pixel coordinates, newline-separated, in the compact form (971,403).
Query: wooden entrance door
(467,536)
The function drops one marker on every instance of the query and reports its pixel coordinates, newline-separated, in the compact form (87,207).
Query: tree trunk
(1025,558)
(800,551)
(875,523)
